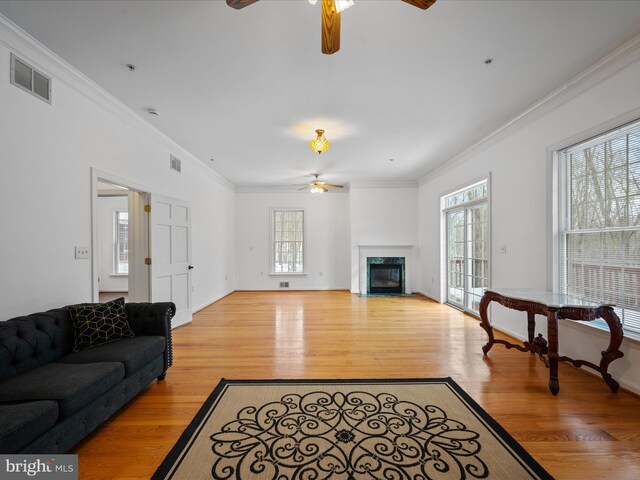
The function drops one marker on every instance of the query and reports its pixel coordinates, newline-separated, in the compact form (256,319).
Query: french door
(467,251)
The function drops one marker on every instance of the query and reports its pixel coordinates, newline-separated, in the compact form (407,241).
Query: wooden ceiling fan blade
(330,27)
(323,188)
(333,185)
(304,188)
(238,4)
(423,4)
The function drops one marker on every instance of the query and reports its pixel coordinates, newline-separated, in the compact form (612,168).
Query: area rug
(418,429)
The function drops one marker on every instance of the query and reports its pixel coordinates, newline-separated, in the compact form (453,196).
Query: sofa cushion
(72,386)
(21,423)
(33,340)
(98,323)
(134,353)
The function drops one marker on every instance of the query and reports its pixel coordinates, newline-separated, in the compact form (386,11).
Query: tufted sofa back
(33,340)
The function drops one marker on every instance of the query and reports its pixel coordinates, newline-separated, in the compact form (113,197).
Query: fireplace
(385,275)
(383,254)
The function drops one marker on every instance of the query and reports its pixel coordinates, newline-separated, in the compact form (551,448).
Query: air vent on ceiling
(27,78)
(176,164)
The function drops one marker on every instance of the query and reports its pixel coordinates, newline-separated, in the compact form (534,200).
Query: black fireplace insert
(385,278)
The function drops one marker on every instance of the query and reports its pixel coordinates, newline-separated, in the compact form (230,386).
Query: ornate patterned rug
(417,429)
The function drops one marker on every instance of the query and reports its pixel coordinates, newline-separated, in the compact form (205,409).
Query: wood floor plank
(585,433)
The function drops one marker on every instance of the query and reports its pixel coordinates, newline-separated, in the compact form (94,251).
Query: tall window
(467,245)
(287,245)
(600,222)
(121,236)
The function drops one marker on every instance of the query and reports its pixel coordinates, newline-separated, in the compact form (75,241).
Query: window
(121,237)
(467,245)
(287,241)
(599,216)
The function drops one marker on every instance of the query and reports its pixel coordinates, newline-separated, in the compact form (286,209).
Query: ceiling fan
(318,186)
(331,18)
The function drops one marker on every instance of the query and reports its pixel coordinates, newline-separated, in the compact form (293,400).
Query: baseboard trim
(428,295)
(212,301)
(293,290)
(178,325)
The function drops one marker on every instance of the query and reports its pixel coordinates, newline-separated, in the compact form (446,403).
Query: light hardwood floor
(585,433)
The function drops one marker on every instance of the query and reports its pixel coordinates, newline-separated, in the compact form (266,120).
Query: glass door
(455,257)
(467,250)
(476,259)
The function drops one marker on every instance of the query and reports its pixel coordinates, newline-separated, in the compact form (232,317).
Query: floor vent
(284,284)
(175,164)
(27,78)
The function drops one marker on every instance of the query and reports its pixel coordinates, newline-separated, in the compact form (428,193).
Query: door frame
(444,235)
(97,175)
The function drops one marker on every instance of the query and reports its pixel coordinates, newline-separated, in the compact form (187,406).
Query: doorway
(113,241)
(466,218)
(120,239)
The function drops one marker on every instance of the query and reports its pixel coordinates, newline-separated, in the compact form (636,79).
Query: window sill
(302,274)
(119,275)
(601,332)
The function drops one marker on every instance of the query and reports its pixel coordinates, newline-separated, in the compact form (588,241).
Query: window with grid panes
(287,241)
(121,233)
(600,222)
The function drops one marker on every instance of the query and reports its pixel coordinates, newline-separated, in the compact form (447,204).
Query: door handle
(190,267)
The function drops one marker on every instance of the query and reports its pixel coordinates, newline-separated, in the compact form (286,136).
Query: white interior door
(171,255)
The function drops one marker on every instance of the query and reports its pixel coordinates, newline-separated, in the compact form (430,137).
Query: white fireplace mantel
(366,251)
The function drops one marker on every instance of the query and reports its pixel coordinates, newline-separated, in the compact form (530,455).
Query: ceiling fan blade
(238,4)
(330,27)
(303,188)
(423,4)
(333,185)
(323,188)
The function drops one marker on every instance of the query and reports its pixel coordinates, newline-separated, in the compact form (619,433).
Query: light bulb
(343,5)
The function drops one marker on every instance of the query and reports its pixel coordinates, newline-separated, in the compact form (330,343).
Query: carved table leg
(552,329)
(612,352)
(531,328)
(484,321)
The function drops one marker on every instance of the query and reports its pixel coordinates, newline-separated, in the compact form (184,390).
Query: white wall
(327,242)
(382,216)
(107,207)
(46,154)
(521,201)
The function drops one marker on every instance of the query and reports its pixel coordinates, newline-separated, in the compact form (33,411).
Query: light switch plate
(82,252)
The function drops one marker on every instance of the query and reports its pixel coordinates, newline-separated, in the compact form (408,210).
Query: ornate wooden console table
(555,307)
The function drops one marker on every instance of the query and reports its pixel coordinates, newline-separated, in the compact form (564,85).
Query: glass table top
(550,299)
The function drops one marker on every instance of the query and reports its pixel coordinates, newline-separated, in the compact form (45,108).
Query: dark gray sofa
(52,397)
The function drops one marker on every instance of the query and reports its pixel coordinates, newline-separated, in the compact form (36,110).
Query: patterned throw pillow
(98,323)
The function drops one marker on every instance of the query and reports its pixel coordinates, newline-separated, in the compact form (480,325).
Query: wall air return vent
(27,78)
(175,164)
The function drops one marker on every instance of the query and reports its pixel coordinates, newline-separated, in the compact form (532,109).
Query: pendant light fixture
(319,144)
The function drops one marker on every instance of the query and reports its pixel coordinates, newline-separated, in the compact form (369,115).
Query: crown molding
(620,58)
(16,39)
(384,184)
(282,189)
